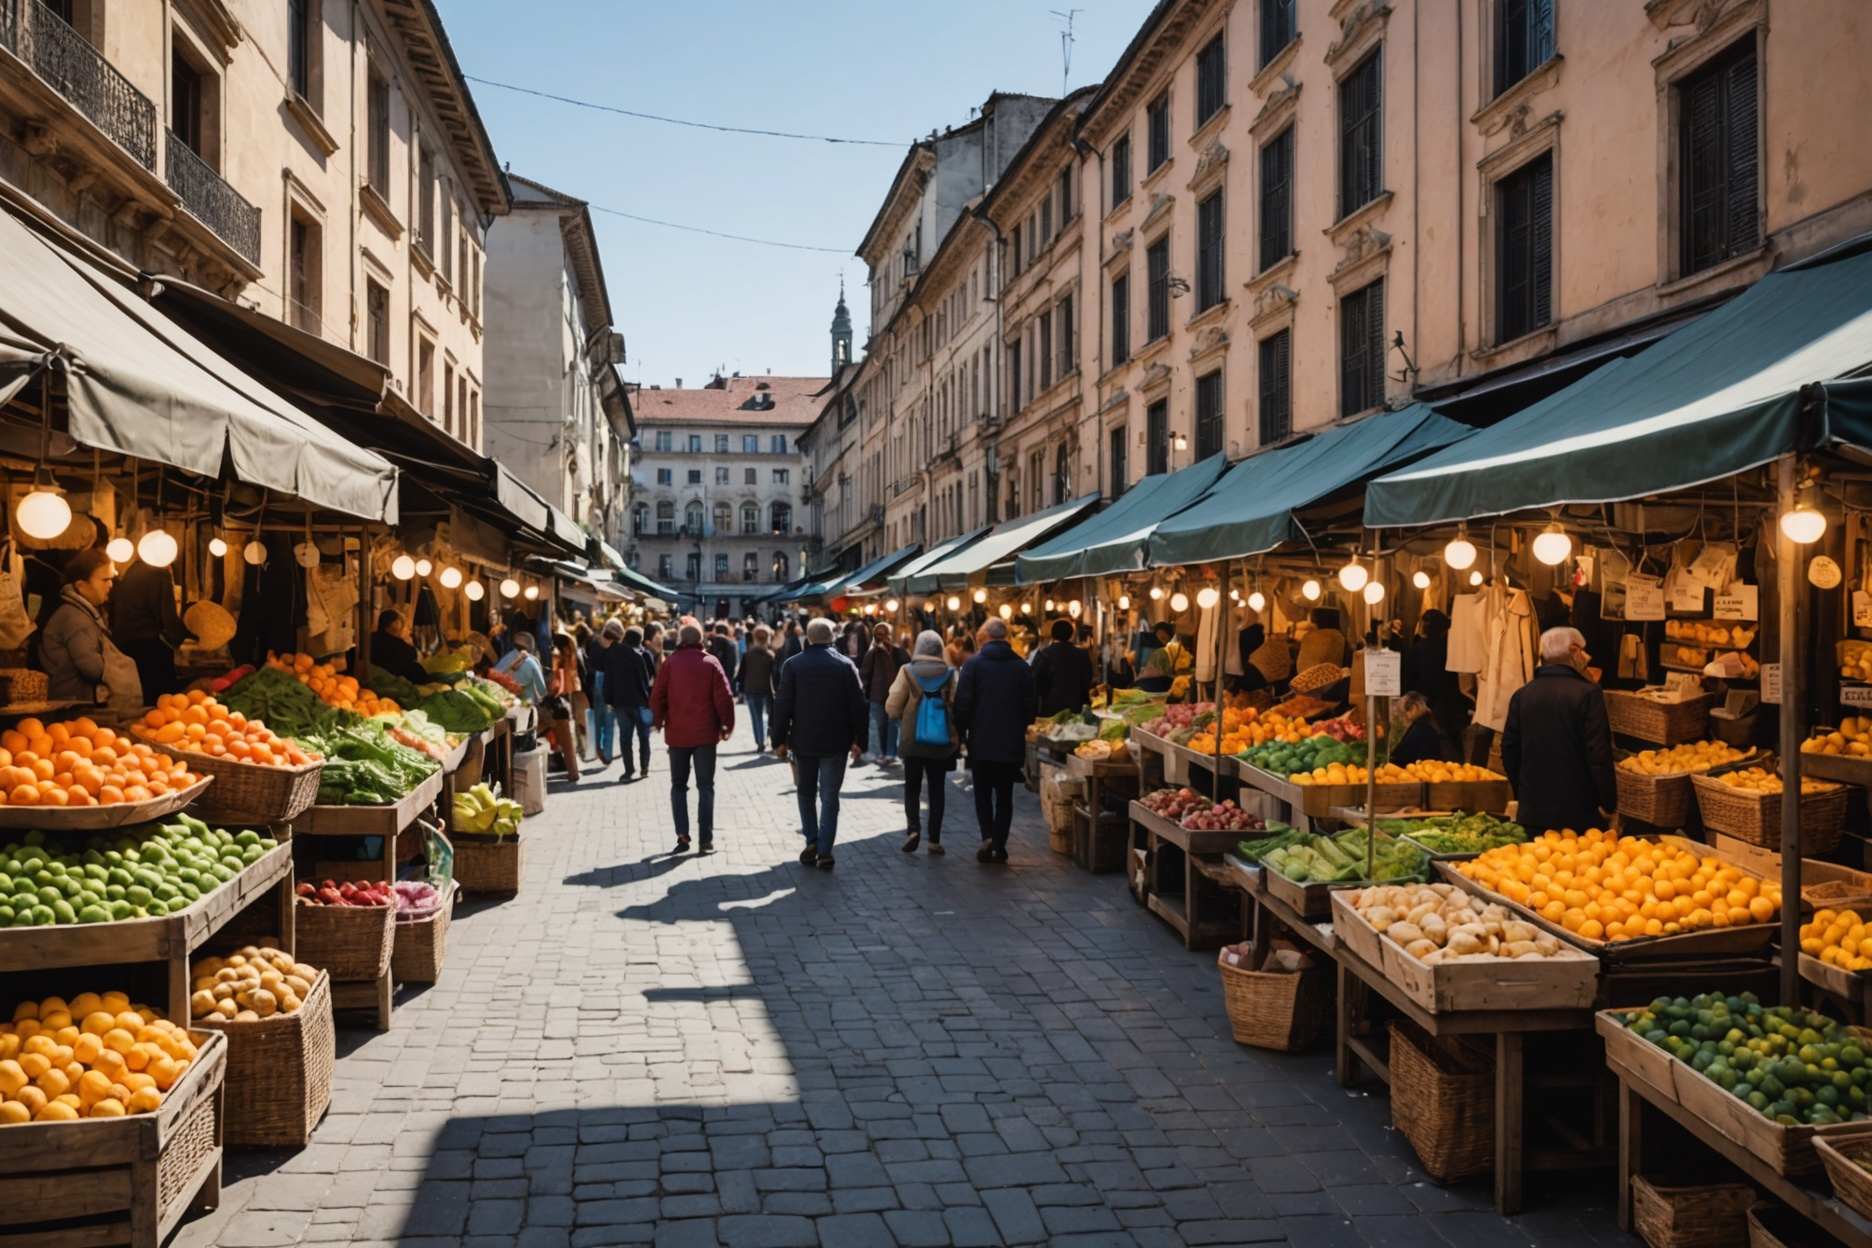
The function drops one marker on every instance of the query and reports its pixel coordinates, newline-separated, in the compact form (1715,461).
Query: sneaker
(911,839)
(825,862)
(809,855)
(682,844)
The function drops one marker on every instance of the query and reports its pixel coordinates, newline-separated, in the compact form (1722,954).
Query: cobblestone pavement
(642,1048)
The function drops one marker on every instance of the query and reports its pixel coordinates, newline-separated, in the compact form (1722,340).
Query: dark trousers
(994,798)
(818,778)
(631,726)
(702,757)
(155,664)
(915,769)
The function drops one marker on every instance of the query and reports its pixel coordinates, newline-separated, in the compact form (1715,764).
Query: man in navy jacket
(819,715)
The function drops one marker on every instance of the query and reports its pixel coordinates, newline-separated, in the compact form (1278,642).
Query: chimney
(679,383)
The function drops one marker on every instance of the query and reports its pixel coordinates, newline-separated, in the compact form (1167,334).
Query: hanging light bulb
(929,604)
(1179,602)
(1074,608)
(1420,579)
(1374,592)
(980,596)
(1026,608)
(953,603)
(870,608)
(1461,552)
(403,567)
(1006,611)
(1803,526)
(120,550)
(510,588)
(475,591)
(1353,576)
(1208,596)
(1311,590)
(1553,546)
(43,514)
(1475,577)
(531,593)
(890,605)
(157,548)
(1049,604)
(1257,601)
(1156,593)
(451,577)
(424,567)
(1124,602)
(1234,594)
(217,547)
(254,552)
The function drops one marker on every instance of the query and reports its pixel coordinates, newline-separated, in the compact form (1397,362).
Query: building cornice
(1156,43)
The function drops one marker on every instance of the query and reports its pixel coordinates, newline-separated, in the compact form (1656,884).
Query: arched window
(750,518)
(666,518)
(782,517)
(724,518)
(640,519)
(780,570)
(692,519)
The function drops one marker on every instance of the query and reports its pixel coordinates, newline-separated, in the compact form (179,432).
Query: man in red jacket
(692,706)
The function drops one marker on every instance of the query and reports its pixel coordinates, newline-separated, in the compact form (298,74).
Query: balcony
(69,64)
(213,202)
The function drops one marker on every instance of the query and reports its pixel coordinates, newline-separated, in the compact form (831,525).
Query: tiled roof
(793,399)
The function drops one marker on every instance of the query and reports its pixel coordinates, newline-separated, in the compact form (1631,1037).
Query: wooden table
(1359,981)
(1119,771)
(1179,888)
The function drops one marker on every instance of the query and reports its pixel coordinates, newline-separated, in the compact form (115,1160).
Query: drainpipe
(351,146)
(994,358)
(1417,179)
(1462,189)
(1084,150)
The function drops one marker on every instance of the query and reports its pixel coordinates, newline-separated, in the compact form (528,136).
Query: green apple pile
(144,872)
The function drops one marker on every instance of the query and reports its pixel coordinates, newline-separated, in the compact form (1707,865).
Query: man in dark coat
(691,703)
(1557,746)
(819,715)
(1062,673)
(145,626)
(391,650)
(628,673)
(995,701)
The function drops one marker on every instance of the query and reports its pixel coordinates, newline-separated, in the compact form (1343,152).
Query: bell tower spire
(841,332)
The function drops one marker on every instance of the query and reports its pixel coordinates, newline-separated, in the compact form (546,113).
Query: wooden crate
(1318,800)
(1175,770)
(1824,885)
(370,820)
(1491,796)
(1309,901)
(118,1180)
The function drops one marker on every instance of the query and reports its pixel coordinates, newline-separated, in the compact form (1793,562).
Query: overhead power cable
(679,121)
(739,238)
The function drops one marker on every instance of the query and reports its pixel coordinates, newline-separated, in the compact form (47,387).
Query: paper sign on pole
(1771,682)
(1644,598)
(1856,696)
(1739,602)
(1384,673)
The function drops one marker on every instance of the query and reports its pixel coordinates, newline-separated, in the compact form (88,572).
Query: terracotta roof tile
(794,403)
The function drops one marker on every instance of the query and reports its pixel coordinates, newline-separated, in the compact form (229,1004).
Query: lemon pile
(1391,773)
(1853,737)
(96,1056)
(1681,760)
(1760,780)
(1838,938)
(1607,887)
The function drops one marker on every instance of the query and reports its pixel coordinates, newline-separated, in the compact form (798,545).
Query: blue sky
(688,304)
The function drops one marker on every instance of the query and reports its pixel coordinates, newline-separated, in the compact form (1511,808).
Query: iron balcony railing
(79,72)
(214,203)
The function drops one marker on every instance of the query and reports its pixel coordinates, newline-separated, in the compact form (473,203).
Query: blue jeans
(632,724)
(599,721)
(757,714)
(703,758)
(883,732)
(818,778)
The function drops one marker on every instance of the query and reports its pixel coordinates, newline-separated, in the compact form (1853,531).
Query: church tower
(841,332)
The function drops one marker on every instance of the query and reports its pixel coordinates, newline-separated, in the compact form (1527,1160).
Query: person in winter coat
(1426,671)
(602,720)
(82,663)
(628,673)
(879,671)
(819,715)
(722,646)
(144,623)
(755,679)
(995,701)
(794,643)
(926,676)
(1557,744)
(1062,673)
(564,690)
(390,649)
(856,642)
(692,706)
(1418,737)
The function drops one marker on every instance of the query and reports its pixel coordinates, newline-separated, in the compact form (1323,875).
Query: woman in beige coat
(932,752)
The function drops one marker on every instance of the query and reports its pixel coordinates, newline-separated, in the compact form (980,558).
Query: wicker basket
(1443,1100)
(420,944)
(486,865)
(1280,1010)
(1662,801)
(245,793)
(1662,723)
(1707,1216)
(1318,676)
(1756,817)
(351,943)
(1274,660)
(1776,1226)
(280,1072)
(1322,645)
(19,685)
(1849,1165)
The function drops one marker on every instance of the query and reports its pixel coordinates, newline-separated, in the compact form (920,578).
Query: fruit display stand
(387,822)
(1096,848)
(1197,906)
(123,1180)
(353,945)
(1157,759)
(1779,1159)
(1282,790)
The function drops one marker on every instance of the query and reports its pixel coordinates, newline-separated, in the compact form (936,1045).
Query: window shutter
(1351,351)
(1276,198)
(1276,409)
(1741,168)
(1540,242)
(1540,33)
(1701,177)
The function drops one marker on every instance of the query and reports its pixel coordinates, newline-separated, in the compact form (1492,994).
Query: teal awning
(910,578)
(1717,397)
(633,579)
(1118,538)
(1250,511)
(1002,543)
(879,567)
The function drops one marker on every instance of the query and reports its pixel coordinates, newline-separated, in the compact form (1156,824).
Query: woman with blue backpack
(922,702)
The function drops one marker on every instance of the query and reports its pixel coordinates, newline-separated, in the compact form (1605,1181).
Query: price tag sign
(1644,598)
(1859,696)
(1743,602)
(1862,609)
(1384,673)
(1686,595)
(1771,682)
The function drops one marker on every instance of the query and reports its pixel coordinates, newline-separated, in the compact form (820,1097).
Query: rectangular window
(663,440)
(1157,437)
(1036,478)
(377,120)
(1015,252)
(1065,194)
(1157,290)
(1719,167)
(1117,457)
(1068,337)
(1210,416)
(777,444)
(474,419)
(693,566)
(1157,129)
(721,444)
(750,444)
(695,443)
(721,566)
(1121,318)
(1278,28)
(425,377)
(1209,290)
(377,322)
(307,274)
(1046,221)
(425,208)
(1121,170)
(448,398)
(1211,80)
(445,240)
(666,566)
(780,476)
(663,476)
(299,47)
(1524,249)
(721,476)
(1361,159)
(1045,344)
(1524,39)
(751,477)
(695,476)
(185,104)
(1361,349)
(1276,373)
(1277,170)
(1014,375)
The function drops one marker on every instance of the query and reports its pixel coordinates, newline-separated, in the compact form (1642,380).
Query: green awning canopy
(633,579)
(911,578)
(881,566)
(1717,397)
(1006,540)
(1250,511)
(1118,538)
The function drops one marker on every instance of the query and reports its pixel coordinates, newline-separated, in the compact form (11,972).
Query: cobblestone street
(643,1048)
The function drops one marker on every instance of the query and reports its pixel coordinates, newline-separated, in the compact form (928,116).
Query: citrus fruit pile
(194,721)
(96,1056)
(1680,759)
(335,688)
(1838,938)
(1761,780)
(77,763)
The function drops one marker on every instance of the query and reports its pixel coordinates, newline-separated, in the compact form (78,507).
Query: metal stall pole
(1793,690)
(1221,620)
(1371,738)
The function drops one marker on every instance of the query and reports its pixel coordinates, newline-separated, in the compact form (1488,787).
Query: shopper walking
(603,720)
(921,705)
(819,715)
(995,701)
(692,706)
(628,673)
(562,694)
(755,680)
(1557,743)
(794,643)
(722,646)
(879,671)
(1062,673)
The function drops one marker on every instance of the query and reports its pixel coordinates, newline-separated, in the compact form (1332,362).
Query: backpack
(932,717)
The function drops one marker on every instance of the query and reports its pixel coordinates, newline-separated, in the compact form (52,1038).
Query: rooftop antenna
(1066,44)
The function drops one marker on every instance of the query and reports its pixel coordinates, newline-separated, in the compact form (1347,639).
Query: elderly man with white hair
(820,715)
(1557,746)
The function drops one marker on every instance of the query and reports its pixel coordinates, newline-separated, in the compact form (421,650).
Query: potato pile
(1440,923)
(250,985)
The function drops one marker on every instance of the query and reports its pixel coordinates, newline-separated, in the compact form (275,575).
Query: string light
(424,567)
(1006,612)
(1461,552)
(1475,577)
(157,548)
(1804,525)
(1049,605)
(1420,579)
(1179,602)
(1258,600)
(1026,608)
(1124,602)
(120,550)
(1311,590)
(475,591)
(1074,608)
(1156,594)
(403,567)
(217,547)
(953,603)
(254,552)
(1353,576)
(451,577)
(531,593)
(1553,546)
(890,605)
(980,596)
(1207,597)
(1374,592)
(510,588)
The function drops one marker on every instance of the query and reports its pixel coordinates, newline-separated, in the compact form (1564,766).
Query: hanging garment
(1511,654)
(1468,638)
(15,625)
(1206,643)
